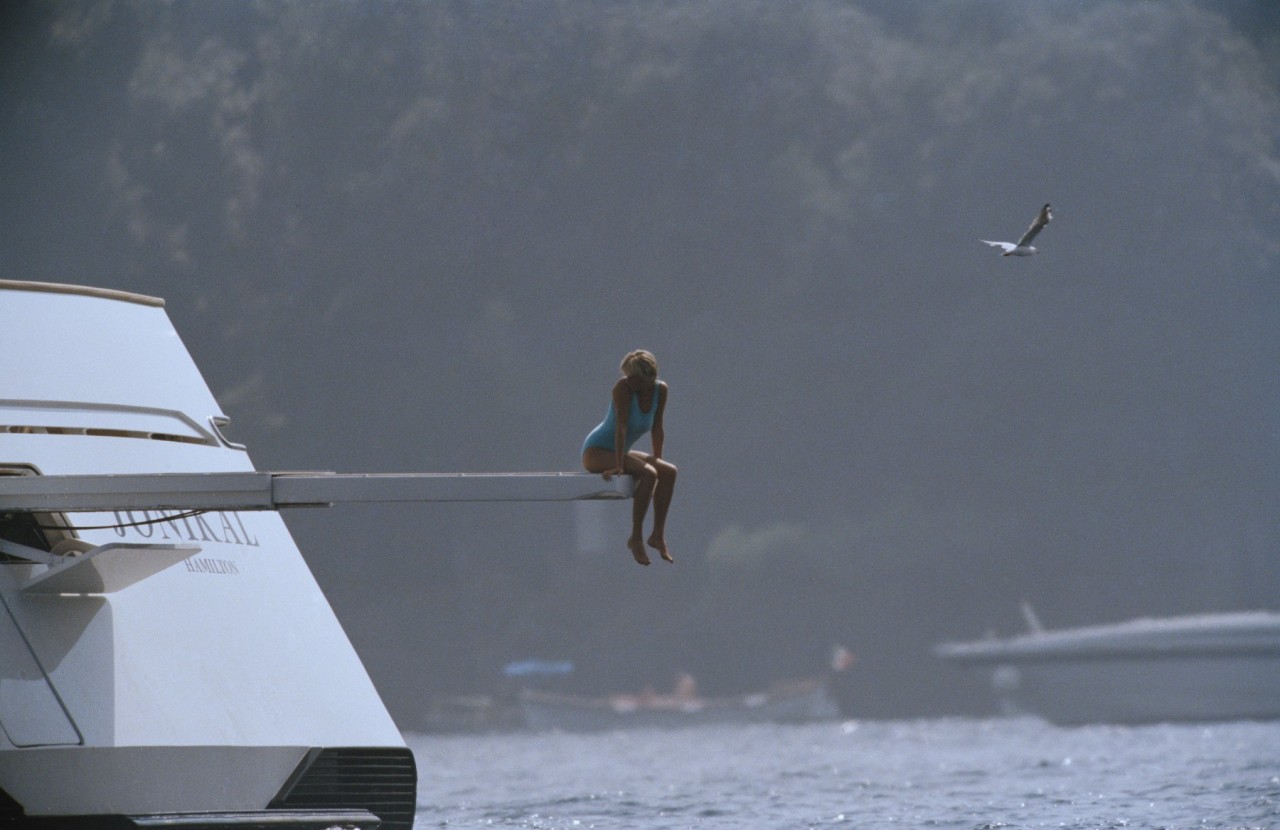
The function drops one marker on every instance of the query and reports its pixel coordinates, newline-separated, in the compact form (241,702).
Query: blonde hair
(640,363)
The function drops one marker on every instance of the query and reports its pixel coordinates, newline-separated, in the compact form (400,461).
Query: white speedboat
(1205,667)
(166,656)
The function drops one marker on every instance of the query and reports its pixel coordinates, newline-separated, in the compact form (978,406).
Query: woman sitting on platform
(636,406)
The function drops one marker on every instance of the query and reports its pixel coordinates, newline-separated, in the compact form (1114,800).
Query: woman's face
(639,383)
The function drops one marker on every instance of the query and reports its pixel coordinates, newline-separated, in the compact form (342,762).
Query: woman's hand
(609,474)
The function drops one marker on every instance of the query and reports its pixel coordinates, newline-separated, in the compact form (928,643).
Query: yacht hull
(160,667)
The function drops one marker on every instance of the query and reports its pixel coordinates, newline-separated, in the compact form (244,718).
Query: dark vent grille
(8,807)
(383,781)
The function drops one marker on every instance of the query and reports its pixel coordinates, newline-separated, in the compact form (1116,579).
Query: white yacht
(166,656)
(1199,667)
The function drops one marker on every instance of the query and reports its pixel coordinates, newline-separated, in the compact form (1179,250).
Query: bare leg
(646,482)
(661,502)
(596,460)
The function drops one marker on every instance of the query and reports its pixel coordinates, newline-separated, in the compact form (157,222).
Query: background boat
(793,702)
(1207,667)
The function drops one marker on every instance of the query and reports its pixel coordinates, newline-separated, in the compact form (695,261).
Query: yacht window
(32,429)
(42,531)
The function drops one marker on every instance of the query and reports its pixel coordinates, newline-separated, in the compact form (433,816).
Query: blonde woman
(635,408)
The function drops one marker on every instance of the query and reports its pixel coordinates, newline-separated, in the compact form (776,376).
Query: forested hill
(420,236)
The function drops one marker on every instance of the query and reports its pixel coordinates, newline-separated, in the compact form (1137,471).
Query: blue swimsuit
(638,423)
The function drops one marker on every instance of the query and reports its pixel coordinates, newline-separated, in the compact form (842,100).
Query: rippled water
(1019,773)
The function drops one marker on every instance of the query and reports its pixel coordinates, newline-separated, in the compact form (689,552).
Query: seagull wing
(1041,220)
(1007,246)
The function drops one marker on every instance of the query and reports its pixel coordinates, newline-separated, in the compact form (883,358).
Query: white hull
(1197,668)
(197,669)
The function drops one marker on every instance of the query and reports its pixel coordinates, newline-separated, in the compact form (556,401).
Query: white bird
(1023,246)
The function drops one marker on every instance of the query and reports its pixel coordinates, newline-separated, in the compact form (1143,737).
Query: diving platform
(275,490)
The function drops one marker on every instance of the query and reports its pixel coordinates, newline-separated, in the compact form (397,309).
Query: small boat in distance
(794,701)
(1204,667)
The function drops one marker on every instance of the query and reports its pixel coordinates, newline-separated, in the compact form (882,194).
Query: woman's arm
(621,413)
(659,434)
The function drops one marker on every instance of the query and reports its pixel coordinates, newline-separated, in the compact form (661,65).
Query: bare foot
(660,545)
(637,550)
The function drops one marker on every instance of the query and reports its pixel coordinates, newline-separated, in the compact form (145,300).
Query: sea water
(948,773)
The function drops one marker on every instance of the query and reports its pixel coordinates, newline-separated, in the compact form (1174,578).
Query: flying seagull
(1023,245)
